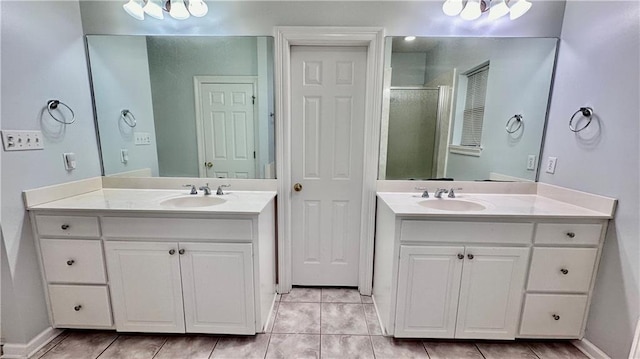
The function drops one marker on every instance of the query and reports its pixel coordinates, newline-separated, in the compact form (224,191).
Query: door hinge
(253,100)
(254,155)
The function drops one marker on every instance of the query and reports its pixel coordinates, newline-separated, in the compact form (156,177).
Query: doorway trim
(373,39)
(198,81)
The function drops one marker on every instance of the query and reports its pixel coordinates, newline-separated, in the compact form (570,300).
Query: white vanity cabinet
(490,277)
(153,270)
(459,292)
(153,281)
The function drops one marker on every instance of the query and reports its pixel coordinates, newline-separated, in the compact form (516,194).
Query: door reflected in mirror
(184,106)
(465,108)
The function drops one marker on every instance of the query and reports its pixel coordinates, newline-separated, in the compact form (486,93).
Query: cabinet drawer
(468,232)
(562,269)
(73,260)
(80,306)
(178,228)
(568,233)
(547,315)
(70,226)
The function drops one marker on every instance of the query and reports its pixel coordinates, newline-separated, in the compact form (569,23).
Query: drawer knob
(556,317)
(70,262)
(571,234)
(470,256)
(172,251)
(460,256)
(65,227)
(564,271)
(181,251)
(77,308)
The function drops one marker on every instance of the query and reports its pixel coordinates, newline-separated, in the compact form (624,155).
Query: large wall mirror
(465,108)
(184,106)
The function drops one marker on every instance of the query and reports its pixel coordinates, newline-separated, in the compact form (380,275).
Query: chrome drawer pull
(172,251)
(556,317)
(564,271)
(470,256)
(65,227)
(571,234)
(460,256)
(70,262)
(77,308)
(181,251)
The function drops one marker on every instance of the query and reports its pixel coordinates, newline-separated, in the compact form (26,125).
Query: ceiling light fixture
(156,8)
(409,38)
(473,9)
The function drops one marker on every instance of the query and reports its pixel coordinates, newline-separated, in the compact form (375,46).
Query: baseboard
(635,347)
(589,349)
(22,351)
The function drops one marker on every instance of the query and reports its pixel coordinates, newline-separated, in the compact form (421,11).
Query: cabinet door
(491,292)
(218,288)
(145,286)
(428,286)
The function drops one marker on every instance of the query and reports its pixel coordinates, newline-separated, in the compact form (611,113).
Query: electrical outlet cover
(551,165)
(531,162)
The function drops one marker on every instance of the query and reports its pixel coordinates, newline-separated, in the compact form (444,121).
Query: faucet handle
(452,194)
(425,193)
(193,188)
(219,192)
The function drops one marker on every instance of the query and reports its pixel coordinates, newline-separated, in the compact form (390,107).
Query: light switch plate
(22,140)
(142,138)
(531,162)
(551,164)
(70,163)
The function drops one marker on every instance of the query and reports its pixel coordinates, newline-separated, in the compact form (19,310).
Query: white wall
(120,72)
(42,58)
(598,66)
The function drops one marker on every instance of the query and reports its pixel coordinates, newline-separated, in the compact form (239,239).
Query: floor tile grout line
(475,344)
(108,346)
(268,344)
(214,347)
(55,345)
(159,349)
(424,346)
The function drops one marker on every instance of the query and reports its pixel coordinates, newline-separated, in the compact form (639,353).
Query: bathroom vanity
(486,266)
(143,260)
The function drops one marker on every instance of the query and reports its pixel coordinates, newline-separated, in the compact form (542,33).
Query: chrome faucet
(206,189)
(452,194)
(193,188)
(425,193)
(438,193)
(219,192)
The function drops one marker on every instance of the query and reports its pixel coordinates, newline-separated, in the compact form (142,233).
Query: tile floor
(309,323)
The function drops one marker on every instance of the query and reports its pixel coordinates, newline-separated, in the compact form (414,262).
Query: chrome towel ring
(586,112)
(510,123)
(128,118)
(53,105)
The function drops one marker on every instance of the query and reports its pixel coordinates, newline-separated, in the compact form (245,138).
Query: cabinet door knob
(65,227)
(470,256)
(181,251)
(77,308)
(556,317)
(571,234)
(70,262)
(460,256)
(564,271)
(172,251)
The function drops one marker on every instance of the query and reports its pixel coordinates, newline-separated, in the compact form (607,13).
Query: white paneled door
(226,111)
(327,148)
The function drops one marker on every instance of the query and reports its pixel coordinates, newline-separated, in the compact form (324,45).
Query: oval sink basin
(456,205)
(190,202)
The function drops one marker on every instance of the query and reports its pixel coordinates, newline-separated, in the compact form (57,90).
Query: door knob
(297,187)
(208,164)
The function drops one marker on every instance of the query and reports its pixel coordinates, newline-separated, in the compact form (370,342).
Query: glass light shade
(452,7)
(178,10)
(134,9)
(198,8)
(519,8)
(471,11)
(498,9)
(409,38)
(153,9)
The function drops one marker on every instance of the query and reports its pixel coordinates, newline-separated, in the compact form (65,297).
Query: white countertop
(406,204)
(148,200)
